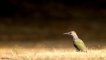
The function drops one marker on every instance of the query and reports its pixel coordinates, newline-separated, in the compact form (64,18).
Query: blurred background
(42,22)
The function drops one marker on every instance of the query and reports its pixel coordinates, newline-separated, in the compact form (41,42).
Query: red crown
(73,31)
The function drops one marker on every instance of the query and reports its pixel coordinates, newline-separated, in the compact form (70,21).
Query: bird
(77,42)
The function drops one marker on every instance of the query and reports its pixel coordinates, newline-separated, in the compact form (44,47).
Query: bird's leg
(77,50)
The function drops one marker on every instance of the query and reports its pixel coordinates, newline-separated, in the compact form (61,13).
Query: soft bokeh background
(42,22)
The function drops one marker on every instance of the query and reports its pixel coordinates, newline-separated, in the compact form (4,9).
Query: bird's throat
(75,37)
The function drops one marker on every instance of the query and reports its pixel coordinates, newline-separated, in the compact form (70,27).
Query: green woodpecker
(78,43)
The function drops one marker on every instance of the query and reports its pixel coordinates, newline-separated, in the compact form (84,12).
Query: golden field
(42,53)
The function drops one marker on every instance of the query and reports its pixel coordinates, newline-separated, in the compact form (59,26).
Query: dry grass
(19,53)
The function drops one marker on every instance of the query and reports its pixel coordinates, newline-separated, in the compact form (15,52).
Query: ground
(42,53)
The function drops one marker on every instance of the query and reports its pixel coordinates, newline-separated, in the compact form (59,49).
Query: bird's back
(79,44)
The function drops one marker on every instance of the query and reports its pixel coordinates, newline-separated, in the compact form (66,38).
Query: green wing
(80,45)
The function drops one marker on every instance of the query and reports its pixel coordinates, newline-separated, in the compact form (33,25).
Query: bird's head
(70,33)
(73,33)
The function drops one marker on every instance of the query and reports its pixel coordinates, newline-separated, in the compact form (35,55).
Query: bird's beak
(66,33)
